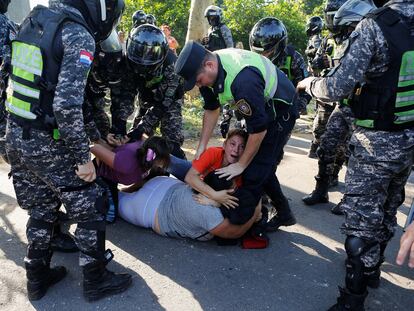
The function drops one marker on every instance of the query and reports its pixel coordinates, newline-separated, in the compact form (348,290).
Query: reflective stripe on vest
(287,67)
(27,65)
(235,60)
(405,92)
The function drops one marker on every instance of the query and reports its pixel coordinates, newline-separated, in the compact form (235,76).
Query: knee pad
(38,224)
(356,279)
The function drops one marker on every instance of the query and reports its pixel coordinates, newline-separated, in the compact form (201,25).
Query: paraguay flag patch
(85,58)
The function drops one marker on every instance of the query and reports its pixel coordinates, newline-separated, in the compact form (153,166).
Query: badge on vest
(244,108)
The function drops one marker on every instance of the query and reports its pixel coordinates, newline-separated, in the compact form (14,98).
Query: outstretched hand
(230,171)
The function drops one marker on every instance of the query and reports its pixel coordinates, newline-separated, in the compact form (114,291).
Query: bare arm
(104,154)
(223,197)
(229,231)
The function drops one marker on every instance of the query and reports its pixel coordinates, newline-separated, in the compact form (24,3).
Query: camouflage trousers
(170,123)
(323,112)
(333,147)
(44,177)
(3,122)
(97,124)
(378,170)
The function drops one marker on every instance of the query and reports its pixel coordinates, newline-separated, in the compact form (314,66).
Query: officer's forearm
(253,144)
(209,122)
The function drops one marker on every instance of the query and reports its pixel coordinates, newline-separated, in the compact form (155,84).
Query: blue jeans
(178,167)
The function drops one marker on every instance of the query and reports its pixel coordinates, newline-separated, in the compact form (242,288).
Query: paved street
(299,271)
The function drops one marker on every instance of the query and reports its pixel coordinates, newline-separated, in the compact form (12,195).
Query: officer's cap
(189,62)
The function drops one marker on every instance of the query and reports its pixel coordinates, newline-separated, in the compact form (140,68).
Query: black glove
(320,62)
(136,133)
(118,127)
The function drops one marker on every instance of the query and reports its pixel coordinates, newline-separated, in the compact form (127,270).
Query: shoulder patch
(85,57)
(244,108)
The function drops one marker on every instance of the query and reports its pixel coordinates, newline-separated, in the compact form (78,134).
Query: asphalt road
(299,271)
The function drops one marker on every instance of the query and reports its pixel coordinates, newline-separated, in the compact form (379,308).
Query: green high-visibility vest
(234,61)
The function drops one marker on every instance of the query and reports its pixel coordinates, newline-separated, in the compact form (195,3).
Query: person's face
(207,76)
(167,31)
(233,149)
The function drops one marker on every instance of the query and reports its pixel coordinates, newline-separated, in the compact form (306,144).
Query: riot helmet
(147,49)
(329,12)
(349,15)
(4,4)
(214,15)
(269,38)
(101,15)
(314,26)
(139,18)
(108,58)
(151,19)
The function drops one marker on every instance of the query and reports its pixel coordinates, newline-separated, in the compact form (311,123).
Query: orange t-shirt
(211,160)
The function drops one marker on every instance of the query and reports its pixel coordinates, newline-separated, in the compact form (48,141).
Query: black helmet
(151,19)
(107,62)
(314,26)
(214,15)
(4,4)
(147,49)
(268,37)
(139,18)
(329,12)
(348,16)
(101,15)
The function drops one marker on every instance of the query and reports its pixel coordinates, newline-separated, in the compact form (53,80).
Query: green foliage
(171,12)
(241,15)
(192,116)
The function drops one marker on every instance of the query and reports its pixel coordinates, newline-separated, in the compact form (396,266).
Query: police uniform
(8,31)
(47,151)
(259,91)
(291,62)
(312,47)
(219,37)
(382,145)
(160,103)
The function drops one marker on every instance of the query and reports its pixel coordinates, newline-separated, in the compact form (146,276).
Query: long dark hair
(160,149)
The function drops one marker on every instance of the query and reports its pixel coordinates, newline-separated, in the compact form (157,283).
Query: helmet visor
(111,44)
(111,12)
(144,54)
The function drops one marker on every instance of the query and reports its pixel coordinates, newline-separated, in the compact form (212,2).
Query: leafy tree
(171,12)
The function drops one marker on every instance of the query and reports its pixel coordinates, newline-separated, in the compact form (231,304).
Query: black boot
(320,194)
(374,274)
(333,179)
(312,151)
(98,282)
(337,209)
(62,242)
(348,301)
(40,276)
(283,217)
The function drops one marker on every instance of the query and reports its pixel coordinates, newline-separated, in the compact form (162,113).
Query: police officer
(106,73)
(149,73)
(50,159)
(246,80)
(139,18)
(269,37)
(378,71)
(314,28)
(333,149)
(8,31)
(151,19)
(321,64)
(219,35)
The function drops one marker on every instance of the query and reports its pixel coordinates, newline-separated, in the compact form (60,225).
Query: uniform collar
(218,86)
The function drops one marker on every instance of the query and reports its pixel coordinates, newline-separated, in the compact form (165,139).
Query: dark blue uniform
(249,86)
